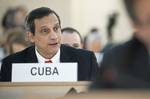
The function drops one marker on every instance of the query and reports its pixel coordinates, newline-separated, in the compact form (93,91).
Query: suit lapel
(142,58)
(142,55)
(141,61)
(31,56)
(65,54)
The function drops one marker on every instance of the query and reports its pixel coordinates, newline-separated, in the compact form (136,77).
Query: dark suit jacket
(125,66)
(87,65)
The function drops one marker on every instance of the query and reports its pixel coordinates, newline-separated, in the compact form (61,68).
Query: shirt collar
(54,59)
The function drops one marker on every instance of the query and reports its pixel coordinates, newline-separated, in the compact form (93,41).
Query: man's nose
(53,35)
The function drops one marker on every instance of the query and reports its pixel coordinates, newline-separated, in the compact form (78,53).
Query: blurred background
(81,14)
(108,17)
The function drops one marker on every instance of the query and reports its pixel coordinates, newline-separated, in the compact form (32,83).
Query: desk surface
(39,90)
(113,94)
(60,90)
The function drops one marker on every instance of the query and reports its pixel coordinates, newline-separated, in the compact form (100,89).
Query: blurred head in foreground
(128,65)
(139,12)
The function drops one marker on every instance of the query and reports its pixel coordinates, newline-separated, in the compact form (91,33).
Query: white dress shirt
(54,59)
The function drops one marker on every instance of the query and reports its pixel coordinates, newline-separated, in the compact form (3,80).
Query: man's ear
(30,36)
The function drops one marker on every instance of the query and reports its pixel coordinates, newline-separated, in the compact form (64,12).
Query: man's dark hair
(37,14)
(130,6)
(71,30)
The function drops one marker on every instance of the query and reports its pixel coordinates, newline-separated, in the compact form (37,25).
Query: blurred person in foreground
(128,65)
(71,37)
(44,30)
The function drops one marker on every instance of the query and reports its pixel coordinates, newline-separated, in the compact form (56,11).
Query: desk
(113,94)
(59,90)
(39,90)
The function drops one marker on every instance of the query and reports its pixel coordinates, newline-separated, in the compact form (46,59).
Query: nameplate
(40,72)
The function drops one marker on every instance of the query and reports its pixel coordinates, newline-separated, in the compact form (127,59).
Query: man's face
(142,9)
(47,35)
(71,39)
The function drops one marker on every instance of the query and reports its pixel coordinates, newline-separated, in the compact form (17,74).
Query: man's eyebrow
(43,27)
(57,24)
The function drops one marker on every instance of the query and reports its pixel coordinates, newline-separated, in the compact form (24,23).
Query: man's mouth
(53,44)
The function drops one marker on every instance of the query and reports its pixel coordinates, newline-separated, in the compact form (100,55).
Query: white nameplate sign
(40,72)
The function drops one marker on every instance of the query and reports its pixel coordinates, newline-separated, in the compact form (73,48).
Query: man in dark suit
(128,65)
(44,31)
